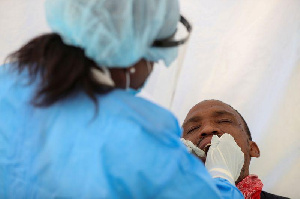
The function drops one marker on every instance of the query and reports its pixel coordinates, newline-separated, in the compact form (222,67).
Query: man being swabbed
(210,130)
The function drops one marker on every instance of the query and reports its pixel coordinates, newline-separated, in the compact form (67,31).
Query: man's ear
(254,150)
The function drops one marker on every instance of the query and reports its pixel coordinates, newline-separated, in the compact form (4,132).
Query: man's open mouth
(206,148)
(205,144)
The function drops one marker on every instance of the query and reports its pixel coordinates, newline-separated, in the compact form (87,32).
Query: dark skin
(137,78)
(214,117)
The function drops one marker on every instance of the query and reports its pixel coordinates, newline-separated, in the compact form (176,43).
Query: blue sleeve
(187,176)
(166,169)
(190,179)
(227,190)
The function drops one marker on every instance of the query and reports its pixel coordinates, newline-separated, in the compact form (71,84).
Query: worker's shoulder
(4,74)
(14,84)
(8,70)
(11,76)
(142,110)
(139,104)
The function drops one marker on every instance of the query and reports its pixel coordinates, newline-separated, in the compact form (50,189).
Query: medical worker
(70,124)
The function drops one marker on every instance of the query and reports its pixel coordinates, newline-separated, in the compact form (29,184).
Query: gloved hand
(224,158)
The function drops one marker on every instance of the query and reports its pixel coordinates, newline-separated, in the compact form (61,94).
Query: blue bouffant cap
(116,33)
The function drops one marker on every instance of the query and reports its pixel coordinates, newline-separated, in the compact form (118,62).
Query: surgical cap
(116,33)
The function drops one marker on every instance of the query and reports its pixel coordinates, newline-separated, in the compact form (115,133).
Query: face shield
(171,41)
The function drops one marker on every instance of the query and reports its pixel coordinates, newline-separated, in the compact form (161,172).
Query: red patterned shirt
(251,187)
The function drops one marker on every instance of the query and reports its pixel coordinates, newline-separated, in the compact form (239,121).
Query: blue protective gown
(129,149)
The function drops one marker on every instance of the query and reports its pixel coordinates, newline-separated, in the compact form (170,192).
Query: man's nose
(209,130)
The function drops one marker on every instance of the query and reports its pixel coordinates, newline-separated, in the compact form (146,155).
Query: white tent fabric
(19,22)
(245,53)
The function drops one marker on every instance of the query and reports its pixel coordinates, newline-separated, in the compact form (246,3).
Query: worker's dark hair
(62,69)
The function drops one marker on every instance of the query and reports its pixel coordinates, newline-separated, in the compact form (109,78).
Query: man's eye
(193,129)
(224,121)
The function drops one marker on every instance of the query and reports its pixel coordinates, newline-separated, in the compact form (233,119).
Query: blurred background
(243,52)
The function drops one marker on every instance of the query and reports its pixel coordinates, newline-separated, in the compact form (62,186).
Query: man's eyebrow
(223,112)
(192,119)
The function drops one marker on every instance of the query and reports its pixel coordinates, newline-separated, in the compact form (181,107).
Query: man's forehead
(213,106)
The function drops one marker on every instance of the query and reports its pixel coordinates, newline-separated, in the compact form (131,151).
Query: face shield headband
(169,42)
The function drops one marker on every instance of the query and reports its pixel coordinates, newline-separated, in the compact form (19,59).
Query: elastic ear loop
(148,67)
(127,75)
